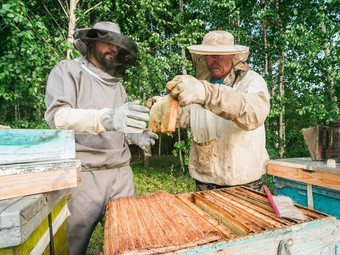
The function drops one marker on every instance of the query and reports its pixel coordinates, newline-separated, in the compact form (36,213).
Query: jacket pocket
(204,158)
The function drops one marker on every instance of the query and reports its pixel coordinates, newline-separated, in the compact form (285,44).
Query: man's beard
(109,64)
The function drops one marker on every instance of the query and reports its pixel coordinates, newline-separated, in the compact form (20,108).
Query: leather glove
(143,140)
(151,101)
(187,90)
(128,118)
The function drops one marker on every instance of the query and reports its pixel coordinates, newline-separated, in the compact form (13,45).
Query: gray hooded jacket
(78,84)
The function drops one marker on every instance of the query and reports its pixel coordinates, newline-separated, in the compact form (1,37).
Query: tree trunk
(282,132)
(159,145)
(282,126)
(147,156)
(268,71)
(330,81)
(265,43)
(71,25)
(184,71)
(180,151)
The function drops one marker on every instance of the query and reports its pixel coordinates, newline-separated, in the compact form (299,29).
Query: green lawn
(162,174)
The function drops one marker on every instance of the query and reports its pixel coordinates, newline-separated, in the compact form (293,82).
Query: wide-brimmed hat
(107,32)
(218,43)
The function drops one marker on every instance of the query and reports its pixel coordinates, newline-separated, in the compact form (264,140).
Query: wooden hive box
(308,182)
(37,168)
(240,220)
(30,145)
(25,227)
(36,161)
(23,179)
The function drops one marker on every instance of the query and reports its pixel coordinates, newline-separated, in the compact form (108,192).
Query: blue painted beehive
(37,168)
(325,200)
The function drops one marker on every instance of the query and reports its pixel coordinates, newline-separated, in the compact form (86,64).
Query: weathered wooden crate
(244,219)
(308,182)
(307,171)
(37,167)
(34,161)
(29,145)
(25,227)
(32,178)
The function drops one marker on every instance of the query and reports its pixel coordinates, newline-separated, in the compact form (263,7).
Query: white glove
(187,90)
(143,140)
(128,118)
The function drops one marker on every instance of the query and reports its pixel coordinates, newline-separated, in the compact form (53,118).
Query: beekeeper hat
(218,43)
(108,32)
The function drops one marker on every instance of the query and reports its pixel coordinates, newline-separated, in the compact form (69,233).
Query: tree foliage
(29,49)
(301,36)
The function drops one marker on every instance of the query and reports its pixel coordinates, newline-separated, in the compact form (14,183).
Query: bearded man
(85,95)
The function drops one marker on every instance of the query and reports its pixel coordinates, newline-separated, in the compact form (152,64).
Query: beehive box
(30,145)
(324,200)
(36,161)
(25,228)
(37,168)
(228,221)
(33,178)
(309,183)
(305,170)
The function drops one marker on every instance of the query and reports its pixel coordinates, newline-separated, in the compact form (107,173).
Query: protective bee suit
(82,97)
(226,119)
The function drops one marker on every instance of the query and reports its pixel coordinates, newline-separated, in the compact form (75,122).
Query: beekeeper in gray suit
(85,95)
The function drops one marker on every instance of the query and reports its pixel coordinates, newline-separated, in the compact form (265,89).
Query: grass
(162,174)
(96,242)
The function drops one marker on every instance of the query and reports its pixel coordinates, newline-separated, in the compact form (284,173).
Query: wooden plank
(307,164)
(25,179)
(28,145)
(26,207)
(36,167)
(226,233)
(4,204)
(310,196)
(323,179)
(311,238)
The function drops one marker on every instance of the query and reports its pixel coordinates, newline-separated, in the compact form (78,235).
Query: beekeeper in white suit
(225,105)
(85,95)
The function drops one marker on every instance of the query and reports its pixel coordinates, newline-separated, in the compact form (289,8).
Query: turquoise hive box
(37,170)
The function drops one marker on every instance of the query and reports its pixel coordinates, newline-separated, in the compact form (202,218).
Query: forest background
(293,44)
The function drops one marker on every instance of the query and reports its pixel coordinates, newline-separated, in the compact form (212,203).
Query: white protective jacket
(228,133)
